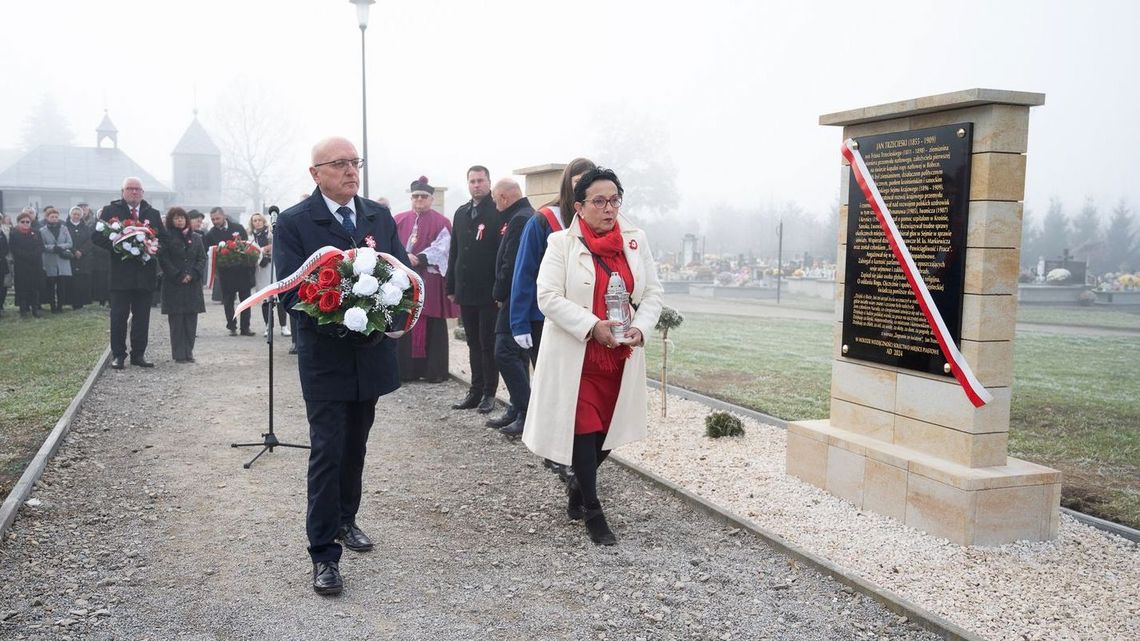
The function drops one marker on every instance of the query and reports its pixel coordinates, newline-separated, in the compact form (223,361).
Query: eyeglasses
(415,196)
(600,203)
(343,163)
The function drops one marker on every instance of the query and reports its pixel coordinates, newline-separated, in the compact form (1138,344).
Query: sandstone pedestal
(543,182)
(909,444)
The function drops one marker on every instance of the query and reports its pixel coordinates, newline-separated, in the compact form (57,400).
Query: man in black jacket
(236,281)
(513,361)
(475,235)
(343,373)
(132,280)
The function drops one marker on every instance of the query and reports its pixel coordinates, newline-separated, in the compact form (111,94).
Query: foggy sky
(738,86)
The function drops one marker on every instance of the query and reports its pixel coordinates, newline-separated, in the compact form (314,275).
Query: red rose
(307,292)
(224,251)
(330,260)
(328,278)
(329,302)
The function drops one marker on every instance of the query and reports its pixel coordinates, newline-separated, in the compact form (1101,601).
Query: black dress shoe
(233,331)
(354,538)
(599,530)
(504,420)
(247,332)
(118,362)
(515,429)
(141,362)
(469,402)
(292,349)
(487,405)
(326,578)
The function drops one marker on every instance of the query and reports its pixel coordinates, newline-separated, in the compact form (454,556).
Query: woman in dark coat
(100,273)
(79,293)
(183,262)
(27,265)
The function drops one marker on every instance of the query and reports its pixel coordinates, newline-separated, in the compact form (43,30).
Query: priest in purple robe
(426,235)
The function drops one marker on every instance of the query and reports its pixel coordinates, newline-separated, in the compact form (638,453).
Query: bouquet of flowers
(130,238)
(236,252)
(357,289)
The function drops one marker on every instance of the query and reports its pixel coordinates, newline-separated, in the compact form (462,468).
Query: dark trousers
(228,294)
(3,295)
(57,291)
(183,328)
(479,325)
(28,297)
(588,456)
(536,338)
(432,367)
(280,314)
(514,365)
(338,436)
(135,305)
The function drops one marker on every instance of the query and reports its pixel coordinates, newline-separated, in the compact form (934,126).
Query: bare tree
(46,125)
(637,147)
(256,138)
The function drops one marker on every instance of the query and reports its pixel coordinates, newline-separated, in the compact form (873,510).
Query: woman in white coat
(588,395)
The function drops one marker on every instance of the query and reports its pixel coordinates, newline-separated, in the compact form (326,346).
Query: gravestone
(902,438)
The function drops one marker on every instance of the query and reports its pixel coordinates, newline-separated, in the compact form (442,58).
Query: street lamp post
(362,7)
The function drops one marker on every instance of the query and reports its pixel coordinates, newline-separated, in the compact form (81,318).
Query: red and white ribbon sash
(975,391)
(326,255)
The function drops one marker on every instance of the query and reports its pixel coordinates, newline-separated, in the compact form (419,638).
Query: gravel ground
(1083,585)
(149,528)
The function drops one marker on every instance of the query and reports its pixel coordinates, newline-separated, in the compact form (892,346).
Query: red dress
(602,368)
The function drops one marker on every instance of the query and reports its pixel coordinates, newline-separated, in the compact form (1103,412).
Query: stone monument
(543,182)
(903,439)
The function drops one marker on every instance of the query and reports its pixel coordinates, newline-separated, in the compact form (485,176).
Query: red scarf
(609,248)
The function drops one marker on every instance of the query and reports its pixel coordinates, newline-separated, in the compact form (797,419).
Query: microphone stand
(269,439)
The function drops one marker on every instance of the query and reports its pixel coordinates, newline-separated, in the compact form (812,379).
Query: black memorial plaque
(924,177)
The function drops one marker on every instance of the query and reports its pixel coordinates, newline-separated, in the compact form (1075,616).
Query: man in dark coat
(513,361)
(343,374)
(235,281)
(3,267)
(132,280)
(475,235)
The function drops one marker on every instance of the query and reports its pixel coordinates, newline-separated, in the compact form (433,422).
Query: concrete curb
(891,601)
(719,404)
(23,488)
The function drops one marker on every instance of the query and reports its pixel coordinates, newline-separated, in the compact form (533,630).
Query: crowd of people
(533,289)
(51,261)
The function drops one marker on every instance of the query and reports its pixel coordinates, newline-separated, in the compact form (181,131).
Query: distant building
(64,176)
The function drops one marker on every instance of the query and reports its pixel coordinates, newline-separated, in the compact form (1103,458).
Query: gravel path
(1083,585)
(149,528)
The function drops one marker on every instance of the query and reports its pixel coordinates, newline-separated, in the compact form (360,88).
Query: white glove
(524,341)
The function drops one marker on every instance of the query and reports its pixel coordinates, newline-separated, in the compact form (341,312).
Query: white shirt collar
(333,206)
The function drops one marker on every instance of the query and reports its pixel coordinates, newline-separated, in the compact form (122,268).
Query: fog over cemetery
(817,453)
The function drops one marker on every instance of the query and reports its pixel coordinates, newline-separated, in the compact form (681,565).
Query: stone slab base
(969,506)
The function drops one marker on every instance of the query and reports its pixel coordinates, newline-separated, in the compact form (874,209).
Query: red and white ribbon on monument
(975,391)
(329,254)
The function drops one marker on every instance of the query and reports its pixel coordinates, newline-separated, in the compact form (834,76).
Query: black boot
(574,509)
(504,420)
(471,401)
(596,525)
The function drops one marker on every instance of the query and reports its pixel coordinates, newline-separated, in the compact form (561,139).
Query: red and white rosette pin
(975,391)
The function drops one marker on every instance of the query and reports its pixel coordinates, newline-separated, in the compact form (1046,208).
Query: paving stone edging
(891,601)
(23,488)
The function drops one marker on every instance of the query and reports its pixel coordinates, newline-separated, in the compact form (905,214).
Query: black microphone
(273,211)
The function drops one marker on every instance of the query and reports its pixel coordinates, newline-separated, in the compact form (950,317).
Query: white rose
(221,243)
(356,319)
(115,235)
(100,226)
(365,285)
(134,250)
(400,279)
(116,226)
(365,261)
(390,294)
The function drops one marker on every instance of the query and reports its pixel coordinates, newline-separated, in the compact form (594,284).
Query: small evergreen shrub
(459,333)
(720,424)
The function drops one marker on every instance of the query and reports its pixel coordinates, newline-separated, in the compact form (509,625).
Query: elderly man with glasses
(132,281)
(426,235)
(342,374)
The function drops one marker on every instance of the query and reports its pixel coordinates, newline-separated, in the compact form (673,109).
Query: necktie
(135,212)
(346,220)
